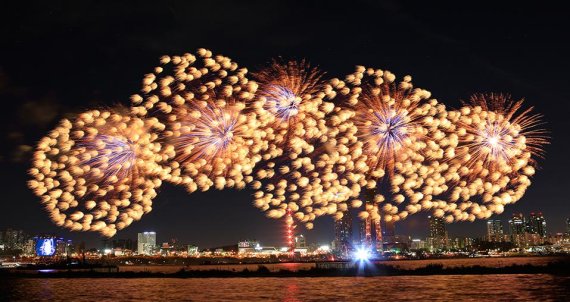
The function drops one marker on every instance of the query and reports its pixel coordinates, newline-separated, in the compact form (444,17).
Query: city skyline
(492,230)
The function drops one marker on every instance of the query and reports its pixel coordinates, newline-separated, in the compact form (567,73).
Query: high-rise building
(438,239)
(371,234)
(568,225)
(537,224)
(300,241)
(343,235)
(146,243)
(495,230)
(388,233)
(13,239)
(123,244)
(517,224)
(517,228)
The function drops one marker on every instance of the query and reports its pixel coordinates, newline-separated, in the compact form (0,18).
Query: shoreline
(560,268)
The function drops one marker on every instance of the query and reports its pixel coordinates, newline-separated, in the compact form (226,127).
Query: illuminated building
(557,239)
(343,236)
(300,244)
(289,231)
(398,243)
(388,233)
(192,250)
(462,243)
(63,247)
(123,244)
(417,244)
(371,234)
(568,226)
(517,228)
(13,239)
(537,224)
(29,247)
(166,249)
(495,231)
(248,246)
(437,239)
(146,244)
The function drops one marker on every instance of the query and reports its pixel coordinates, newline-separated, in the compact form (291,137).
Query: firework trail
(210,115)
(99,171)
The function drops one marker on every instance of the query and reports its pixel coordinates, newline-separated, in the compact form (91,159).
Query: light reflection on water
(400,288)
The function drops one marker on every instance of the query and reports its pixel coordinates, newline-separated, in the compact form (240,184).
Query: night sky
(61,57)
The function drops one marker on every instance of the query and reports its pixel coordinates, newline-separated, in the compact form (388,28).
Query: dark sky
(60,57)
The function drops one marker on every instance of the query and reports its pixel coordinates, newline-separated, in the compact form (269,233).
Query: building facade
(495,231)
(537,224)
(146,243)
(438,239)
(343,236)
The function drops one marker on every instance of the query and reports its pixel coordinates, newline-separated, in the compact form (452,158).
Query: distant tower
(495,230)
(437,233)
(568,225)
(343,235)
(371,233)
(289,231)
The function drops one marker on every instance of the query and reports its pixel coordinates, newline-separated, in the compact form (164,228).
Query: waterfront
(401,288)
(402,264)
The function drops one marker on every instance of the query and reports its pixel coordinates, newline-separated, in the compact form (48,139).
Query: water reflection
(401,288)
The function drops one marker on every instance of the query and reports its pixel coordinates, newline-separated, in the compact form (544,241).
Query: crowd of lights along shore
(307,145)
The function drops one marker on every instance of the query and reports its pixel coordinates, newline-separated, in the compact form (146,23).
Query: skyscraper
(146,243)
(388,232)
(343,235)
(495,230)
(537,224)
(437,234)
(517,228)
(568,225)
(13,239)
(371,234)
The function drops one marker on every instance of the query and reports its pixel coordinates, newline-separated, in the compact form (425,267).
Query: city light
(362,254)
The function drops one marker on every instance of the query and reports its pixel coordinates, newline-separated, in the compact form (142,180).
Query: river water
(400,288)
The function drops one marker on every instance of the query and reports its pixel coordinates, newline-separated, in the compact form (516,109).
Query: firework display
(210,115)
(99,171)
(404,137)
(322,182)
(301,171)
(308,147)
(495,157)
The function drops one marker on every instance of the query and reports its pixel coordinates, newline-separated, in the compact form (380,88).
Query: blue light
(362,254)
(45,246)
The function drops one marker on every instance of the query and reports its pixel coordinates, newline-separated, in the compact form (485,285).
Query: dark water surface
(400,288)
